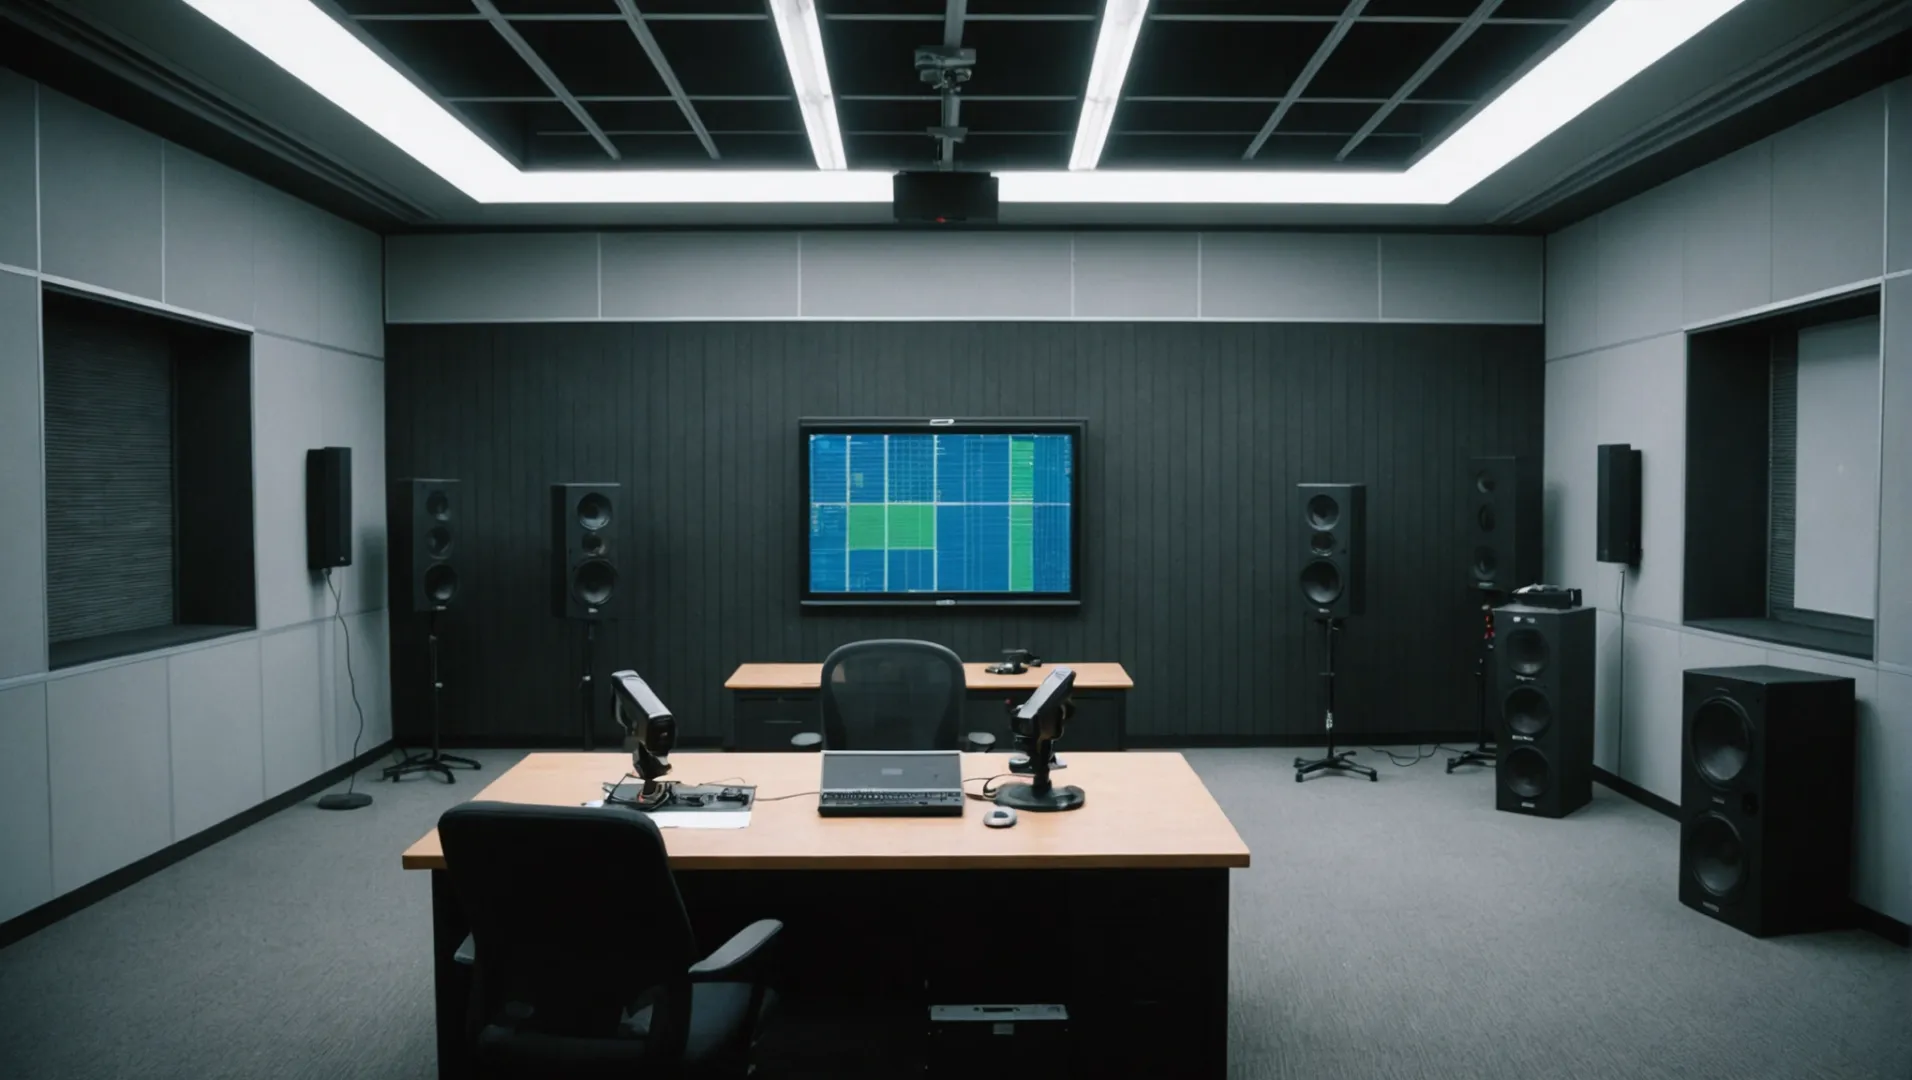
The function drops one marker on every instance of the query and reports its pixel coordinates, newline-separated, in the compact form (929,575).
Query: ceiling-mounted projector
(943,198)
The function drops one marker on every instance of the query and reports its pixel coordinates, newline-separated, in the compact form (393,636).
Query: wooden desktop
(1118,910)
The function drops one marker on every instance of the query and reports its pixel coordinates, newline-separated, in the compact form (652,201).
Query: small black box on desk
(973,1040)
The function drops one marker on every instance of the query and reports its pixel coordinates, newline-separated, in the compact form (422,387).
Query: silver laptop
(901,783)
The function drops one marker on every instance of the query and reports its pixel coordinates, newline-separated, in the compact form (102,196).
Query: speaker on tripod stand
(422,518)
(1333,523)
(584,580)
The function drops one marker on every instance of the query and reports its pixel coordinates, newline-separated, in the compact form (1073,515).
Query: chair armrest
(982,741)
(737,960)
(807,740)
(467,953)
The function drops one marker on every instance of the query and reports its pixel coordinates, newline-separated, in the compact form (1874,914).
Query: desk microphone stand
(1485,752)
(1333,760)
(436,761)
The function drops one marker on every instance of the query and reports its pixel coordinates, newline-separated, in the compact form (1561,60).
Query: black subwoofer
(1503,522)
(422,517)
(1766,798)
(584,551)
(1544,690)
(1333,522)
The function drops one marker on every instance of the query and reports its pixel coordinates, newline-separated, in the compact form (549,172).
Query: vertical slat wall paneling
(109,471)
(1782,463)
(1196,438)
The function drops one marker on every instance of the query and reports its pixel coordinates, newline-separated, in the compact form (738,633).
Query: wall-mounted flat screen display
(944,512)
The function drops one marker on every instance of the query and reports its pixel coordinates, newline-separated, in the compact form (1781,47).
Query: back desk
(1118,910)
(775,701)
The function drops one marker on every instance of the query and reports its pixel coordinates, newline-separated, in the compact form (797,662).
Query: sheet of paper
(701,819)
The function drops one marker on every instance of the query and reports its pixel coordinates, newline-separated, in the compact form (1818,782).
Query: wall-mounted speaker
(1766,798)
(1333,519)
(1618,524)
(584,550)
(328,507)
(1544,689)
(1503,522)
(423,517)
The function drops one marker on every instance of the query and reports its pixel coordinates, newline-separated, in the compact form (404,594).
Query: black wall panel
(1197,435)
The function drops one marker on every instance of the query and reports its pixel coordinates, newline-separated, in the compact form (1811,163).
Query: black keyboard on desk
(891,804)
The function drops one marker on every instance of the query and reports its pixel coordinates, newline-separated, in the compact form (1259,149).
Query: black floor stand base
(1480,755)
(436,763)
(345,800)
(1339,762)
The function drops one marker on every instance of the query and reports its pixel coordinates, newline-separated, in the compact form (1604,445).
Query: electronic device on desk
(1015,662)
(1038,724)
(1557,597)
(652,732)
(891,783)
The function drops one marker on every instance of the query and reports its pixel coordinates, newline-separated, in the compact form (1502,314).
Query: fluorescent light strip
(810,75)
(1114,45)
(1623,40)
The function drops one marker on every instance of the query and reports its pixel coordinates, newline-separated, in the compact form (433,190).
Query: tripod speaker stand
(435,761)
(1334,760)
(1484,752)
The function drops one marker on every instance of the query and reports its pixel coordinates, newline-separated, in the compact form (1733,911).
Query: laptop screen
(854,770)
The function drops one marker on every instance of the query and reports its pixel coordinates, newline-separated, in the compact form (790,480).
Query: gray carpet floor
(1387,931)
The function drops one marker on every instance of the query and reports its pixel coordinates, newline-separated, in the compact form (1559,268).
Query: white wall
(1836,535)
(1803,212)
(183,738)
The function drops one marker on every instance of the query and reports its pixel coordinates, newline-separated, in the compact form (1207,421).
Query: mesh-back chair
(893,694)
(582,954)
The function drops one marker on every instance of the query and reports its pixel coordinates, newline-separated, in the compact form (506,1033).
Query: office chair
(582,955)
(892,694)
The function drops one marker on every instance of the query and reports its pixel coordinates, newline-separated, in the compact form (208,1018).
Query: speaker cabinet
(1618,522)
(1334,543)
(1766,798)
(584,550)
(328,507)
(1544,688)
(423,521)
(1503,519)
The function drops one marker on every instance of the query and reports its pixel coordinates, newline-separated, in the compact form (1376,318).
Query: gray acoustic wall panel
(1573,289)
(19,174)
(293,736)
(1882,833)
(1571,469)
(362,682)
(936,275)
(1138,275)
(1728,263)
(285,264)
(1894,627)
(218,752)
(1829,198)
(1641,266)
(1898,175)
(107,733)
(26,829)
(100,198)
(22,481)
(209,233)
(491,277)
(738,275)
(351,288)
(1609,681)
(1488,279)
(1699,649)
(1642,401)
(1650,736)
(352,410)
(1312,277)
(288,395)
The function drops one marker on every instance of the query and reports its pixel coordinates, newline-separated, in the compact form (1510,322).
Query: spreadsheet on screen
(942,513)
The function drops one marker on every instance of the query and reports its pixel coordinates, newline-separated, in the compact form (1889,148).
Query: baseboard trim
(1863,917)
(39,918)
(1351,741)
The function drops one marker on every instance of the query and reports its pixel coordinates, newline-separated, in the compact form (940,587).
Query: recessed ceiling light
(1623,40)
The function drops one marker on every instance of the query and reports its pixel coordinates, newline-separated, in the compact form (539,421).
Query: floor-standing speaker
(1766,798)
(422,516)
(1503,520)
(584,550)
(1333,522)
(328,507)
(1544,680)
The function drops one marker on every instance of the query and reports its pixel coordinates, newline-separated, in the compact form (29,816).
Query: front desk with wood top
(1119,910)
(777,701)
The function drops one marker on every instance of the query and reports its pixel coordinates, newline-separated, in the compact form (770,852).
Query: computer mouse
(1000,817)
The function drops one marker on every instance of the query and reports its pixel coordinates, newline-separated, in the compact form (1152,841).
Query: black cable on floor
(338,612)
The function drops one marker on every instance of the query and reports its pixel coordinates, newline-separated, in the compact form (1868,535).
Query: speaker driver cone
(1323,512)
(1526,773)
(1527,652)
(438,505)
(1320,582)
(1321,543)
(1715,855)
(438,542)
(594,581)
(1485,565)
(1722,739)
(1527,710)
(1484,483)
(594,511)
(1484,518)
(441,583)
